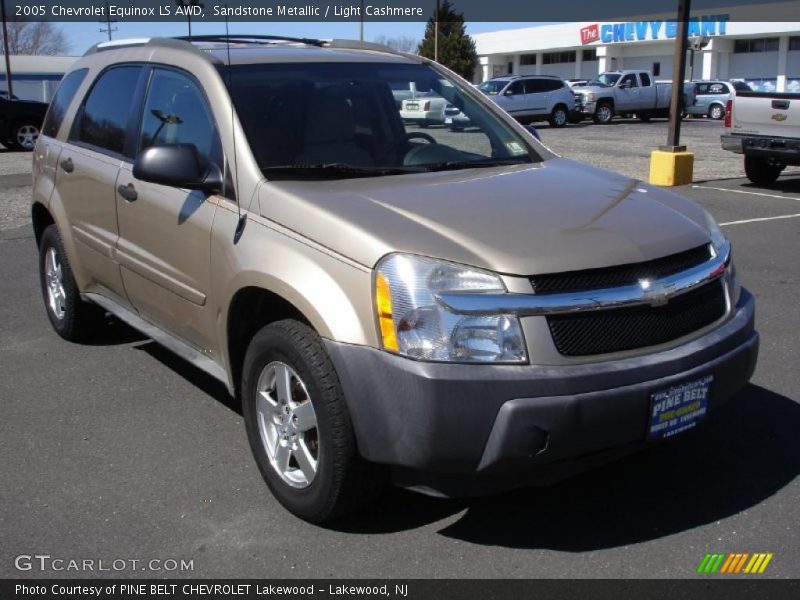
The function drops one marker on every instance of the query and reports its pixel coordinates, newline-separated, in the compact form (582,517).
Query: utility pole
(678,75)
(9,85)
(109,28)
(436,34)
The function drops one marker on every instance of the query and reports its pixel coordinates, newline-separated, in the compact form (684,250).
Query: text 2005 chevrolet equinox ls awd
(460,312)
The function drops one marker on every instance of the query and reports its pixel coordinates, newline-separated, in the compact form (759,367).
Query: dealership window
(551,58)
(756,45)
(527,59)
(656,69)
(794,43)
(588,55)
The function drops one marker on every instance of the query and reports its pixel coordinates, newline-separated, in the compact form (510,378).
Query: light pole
(698,42)
(9,85)
(436,33)
(678,75)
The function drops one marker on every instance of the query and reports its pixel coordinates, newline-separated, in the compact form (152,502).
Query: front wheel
(299,427)
(603,114)
(762,171)
(558,118)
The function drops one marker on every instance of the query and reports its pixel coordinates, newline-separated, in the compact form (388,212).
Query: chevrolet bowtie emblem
(655,293)
(779,117)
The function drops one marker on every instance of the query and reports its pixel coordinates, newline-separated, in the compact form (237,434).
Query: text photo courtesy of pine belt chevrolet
(454,314)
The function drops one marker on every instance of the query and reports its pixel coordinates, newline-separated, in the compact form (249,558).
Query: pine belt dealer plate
(678,408)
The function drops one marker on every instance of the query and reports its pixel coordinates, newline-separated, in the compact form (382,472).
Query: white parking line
(759,220)
(719,189)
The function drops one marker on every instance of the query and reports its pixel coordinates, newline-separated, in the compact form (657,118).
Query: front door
(165,232)
(628,97)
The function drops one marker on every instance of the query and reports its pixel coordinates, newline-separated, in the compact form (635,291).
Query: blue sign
(639,31)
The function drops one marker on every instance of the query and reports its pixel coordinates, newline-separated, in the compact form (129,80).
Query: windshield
(341,120)
(605,79)
(493,86)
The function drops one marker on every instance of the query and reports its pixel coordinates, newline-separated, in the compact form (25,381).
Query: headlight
(590,96)
(413,324)
(714,232)
(717,241)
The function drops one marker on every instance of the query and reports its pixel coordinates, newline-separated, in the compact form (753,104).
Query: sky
(83,35)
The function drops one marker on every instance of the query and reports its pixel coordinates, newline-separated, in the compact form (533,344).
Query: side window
(61,101)
(518,87)
(717,88)
(645,79)
(534,86)
(175,112)
(701,88)
(104,120)
(629,81)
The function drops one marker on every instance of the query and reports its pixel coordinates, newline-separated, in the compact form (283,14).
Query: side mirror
(178,165)
(624,85)
(533,131)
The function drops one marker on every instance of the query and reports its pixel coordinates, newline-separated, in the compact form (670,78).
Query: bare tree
(36,37)
(403,43)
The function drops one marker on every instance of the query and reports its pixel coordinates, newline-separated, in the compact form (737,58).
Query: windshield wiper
(335,170)
(453,165)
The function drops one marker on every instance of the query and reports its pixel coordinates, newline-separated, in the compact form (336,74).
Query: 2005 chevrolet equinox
(459,312)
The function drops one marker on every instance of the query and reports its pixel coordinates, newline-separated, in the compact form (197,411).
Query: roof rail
(358,45)
(239,38)
(134,42)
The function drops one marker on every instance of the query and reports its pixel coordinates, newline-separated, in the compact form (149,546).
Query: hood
(558,215)
(591,88)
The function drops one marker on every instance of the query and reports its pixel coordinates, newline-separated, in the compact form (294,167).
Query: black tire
(9,143)
(604,113)
(716,112)
(344,482)
(78,320)
(24,135)
(559,117)
(762,171)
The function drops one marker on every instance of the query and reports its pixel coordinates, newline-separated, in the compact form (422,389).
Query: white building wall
(753,65)
(563,70)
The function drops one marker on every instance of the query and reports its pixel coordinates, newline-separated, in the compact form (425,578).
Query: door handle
(128,192)
(68,165)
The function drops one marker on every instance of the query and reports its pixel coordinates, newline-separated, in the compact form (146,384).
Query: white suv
(532,97)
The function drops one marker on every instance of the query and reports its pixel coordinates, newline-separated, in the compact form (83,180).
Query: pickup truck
(626,92)
(765,128)
(20,122)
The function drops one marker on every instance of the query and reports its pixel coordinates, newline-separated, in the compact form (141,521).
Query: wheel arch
(42,219)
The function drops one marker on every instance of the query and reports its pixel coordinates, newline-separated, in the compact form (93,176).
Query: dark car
(20,122)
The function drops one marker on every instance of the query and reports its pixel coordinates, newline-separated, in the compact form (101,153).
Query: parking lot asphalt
(119,450)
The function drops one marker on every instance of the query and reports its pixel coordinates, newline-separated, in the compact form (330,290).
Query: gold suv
(458,311)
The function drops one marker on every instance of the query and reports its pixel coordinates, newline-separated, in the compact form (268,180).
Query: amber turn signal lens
(383,305)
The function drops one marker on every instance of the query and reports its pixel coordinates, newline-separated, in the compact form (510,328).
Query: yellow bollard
(670,167)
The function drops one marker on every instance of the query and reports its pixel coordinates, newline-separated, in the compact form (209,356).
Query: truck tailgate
(773,115)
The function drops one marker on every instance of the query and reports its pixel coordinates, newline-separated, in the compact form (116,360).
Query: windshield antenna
(237,234)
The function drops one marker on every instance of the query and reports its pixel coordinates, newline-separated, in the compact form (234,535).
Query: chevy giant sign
(639,31)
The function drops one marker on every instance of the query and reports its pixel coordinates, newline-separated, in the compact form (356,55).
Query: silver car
(532,98)
(711,99)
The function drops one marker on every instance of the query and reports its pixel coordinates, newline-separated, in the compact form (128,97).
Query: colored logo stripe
(720,562)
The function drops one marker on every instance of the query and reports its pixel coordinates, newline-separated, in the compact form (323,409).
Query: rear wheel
(716,112)
(559,117)
(603,114)
(72,318)
(25,135)
(762,171)
(299,427)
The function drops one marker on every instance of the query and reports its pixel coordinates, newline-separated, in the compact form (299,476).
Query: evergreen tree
(456,48)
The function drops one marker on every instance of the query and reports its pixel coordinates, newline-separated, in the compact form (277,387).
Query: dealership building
(765,54)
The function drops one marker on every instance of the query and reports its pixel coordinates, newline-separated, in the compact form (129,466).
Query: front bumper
(454,429)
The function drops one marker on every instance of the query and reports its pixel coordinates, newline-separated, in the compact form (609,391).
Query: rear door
(87,171)
(165,232)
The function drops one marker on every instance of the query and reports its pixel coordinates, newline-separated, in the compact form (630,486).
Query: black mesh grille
(619,275)
(615,330)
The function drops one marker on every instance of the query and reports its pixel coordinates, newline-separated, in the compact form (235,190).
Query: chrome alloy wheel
(27,136)
(560,117)
(54,280)
(604,113)
(288,424)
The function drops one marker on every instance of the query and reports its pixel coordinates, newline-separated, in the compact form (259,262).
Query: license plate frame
(678,408)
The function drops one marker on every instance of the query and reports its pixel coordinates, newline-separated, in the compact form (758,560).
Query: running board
(158,335)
